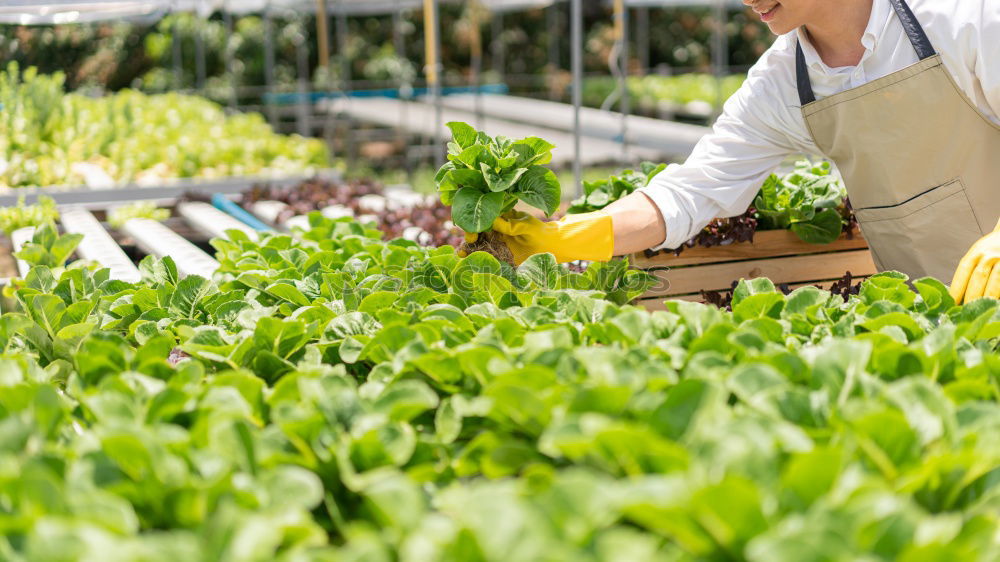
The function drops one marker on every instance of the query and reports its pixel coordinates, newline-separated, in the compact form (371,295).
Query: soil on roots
(491,243)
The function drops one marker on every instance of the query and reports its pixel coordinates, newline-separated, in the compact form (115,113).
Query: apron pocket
(923,236)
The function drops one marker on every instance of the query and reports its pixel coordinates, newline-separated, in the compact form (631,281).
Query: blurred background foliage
(112,56)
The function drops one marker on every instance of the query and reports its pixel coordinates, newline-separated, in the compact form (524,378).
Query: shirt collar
(881,11)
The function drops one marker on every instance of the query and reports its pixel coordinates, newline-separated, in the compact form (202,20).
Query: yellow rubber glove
(587,236)
(978,274)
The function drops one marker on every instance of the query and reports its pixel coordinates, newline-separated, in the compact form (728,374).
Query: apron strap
(804,84)
(914,31)
(921,44)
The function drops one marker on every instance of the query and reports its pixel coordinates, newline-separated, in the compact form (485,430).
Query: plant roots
(491,243)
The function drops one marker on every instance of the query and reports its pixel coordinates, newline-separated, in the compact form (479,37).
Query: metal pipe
(576,38)
(621,32)
(269,64)
(400,47)
(177,54)
(720,52)
(304,106)
(554,25)
(199,56)
(342,46)
(227,54)
(497,47)
(432,69)
(642,38)
(476,48)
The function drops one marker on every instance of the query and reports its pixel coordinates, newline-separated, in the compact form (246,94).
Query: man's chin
(779,28)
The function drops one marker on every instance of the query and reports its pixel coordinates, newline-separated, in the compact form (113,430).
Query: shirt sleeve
(987,66)
(728,166)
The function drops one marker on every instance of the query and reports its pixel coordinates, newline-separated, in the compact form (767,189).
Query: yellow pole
(432,70)
(430,43)
(619,19)
(321,34)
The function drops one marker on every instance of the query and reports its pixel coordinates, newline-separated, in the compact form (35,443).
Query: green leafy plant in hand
(22,216)
(805,201)
(485,177)
(118,216)
(599,194)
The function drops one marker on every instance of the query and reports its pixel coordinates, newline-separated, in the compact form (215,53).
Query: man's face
(782,16)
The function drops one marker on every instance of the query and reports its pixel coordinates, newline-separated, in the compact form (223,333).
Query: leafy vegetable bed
(694,94)
(50,138)
(339,397)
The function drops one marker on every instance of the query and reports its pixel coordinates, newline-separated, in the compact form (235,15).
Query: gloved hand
(587,236)
(978,274)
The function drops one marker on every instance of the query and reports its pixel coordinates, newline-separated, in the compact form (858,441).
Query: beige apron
(920,162)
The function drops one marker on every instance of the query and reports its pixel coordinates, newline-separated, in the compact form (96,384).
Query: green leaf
(936,298)
(767,305)
(539,187)
(887,286)
(47,312)
(189,292)
(541,271)
(824,228)
(463,134)
(749,287)
(809,476)
(475,211)
(405,400)
(533,151)
(289,293)
(475,155)
(457,179)
(501,181)
(768,197)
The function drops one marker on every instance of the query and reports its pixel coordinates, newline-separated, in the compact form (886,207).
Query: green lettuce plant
(118,216)
(485,177)
(805,201)
(22,216)
(599,194)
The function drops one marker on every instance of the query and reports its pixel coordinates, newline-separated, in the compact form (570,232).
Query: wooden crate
(777,254)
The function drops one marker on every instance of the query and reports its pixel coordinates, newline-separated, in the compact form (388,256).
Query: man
(903,95)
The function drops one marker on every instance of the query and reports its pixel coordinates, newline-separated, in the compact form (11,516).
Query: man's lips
(769,14)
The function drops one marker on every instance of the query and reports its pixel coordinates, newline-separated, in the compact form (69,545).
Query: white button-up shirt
(762,123)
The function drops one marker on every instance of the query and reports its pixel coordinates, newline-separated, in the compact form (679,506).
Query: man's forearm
(638,224)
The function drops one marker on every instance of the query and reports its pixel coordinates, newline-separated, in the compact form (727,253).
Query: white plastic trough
(211,221)
(268,211)
(18,239)
(97,245)
(158,240)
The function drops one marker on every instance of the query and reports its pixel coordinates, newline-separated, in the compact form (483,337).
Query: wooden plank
(794,269)
(766,244)
(659,303)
